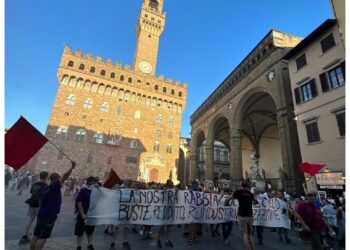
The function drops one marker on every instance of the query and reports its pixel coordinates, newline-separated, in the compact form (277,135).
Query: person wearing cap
(51,200)
(312,220)
(82,204)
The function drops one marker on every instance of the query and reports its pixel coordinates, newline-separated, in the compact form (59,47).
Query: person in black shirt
(245,214)
(34,204)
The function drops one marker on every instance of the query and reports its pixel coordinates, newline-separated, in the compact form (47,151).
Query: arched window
(80,135)
(70,100)
(147,84)
(112,75)
(156,146)
(171,121)
(170,135)
(62,132)
(153,4)
(98,138)
(121,78)
(173,92)
(129,80)
(119,110)
(169,148)
(104,107)
(158,133)
(103,72)
(164,89)
(159,119)
(88,103)
(137,114)
(180,93)
(156,87)
(81,66)
(133,144)
(92,69)
(70,64)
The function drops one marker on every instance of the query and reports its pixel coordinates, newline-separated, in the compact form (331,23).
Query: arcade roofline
(272,40)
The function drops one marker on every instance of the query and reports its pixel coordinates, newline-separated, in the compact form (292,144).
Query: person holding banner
(82,204)
(283,232)
(51,199)
(168,186)
(245,214)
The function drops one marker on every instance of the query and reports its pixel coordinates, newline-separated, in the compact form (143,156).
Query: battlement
(88,58)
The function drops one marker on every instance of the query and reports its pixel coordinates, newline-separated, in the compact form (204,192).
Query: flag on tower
(22,142)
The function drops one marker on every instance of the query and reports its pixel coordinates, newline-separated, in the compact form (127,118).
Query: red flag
(22,142)
(112,180)
(310,168)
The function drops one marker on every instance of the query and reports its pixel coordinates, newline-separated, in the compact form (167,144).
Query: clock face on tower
(145,67)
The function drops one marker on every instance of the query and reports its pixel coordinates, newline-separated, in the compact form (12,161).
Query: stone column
(193,167)
(209,161)
(290,153)
(236,168)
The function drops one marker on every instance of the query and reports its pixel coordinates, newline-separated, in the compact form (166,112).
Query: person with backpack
(34,204)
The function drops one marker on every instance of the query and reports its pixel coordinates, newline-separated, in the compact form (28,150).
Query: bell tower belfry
(150,26)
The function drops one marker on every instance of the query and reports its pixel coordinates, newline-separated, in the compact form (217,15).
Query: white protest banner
(163,207)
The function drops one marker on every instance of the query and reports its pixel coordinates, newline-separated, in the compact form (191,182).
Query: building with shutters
(108,115)
(317,73)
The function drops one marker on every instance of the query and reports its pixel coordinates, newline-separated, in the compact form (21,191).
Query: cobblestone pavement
(63,239)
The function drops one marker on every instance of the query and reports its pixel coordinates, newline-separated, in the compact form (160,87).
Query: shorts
(81,227)
(245,225)
(32,212)
(44,227)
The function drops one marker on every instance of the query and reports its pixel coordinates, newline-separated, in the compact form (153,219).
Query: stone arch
(72,81)
(101,88)
(219,129)
(127,95)
(159,102)
(65,80)
(121,94)
(114,92)
(87,85)
(165,104)
(94,87)
(175,107)
(133,97)
(108,90)
(80,83)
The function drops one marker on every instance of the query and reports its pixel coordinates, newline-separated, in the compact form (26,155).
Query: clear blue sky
(202,43)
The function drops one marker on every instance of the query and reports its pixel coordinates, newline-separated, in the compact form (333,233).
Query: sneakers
(112,247)
(24,240)
(79,248)
(227,242)
(169,244)
(126,245)
(90,247)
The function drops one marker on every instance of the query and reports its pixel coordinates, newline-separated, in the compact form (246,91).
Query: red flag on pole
(310,168)
(112,180)
(22,142)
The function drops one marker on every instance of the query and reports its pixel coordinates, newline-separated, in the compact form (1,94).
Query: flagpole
(59,149)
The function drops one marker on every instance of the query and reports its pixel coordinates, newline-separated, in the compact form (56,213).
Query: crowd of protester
(320,223)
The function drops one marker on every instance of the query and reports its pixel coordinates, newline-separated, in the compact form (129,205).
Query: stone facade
(107,115)
(318,83)
(251,111)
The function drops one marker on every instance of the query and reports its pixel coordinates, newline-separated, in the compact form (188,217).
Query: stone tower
(150,26)
(109,115)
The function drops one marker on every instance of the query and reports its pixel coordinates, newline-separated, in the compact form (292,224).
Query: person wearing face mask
(82,203)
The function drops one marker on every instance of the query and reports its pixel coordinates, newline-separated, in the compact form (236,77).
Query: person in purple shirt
(51,199)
